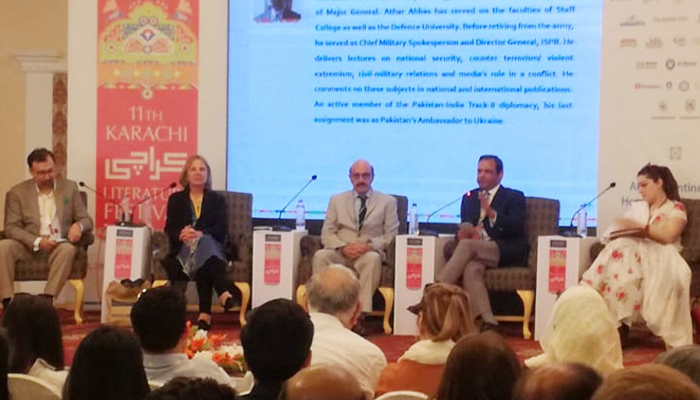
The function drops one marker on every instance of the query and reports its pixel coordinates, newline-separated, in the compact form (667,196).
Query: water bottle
(301,215)
(126,206)
(147,213)
(582,223)
(413,220)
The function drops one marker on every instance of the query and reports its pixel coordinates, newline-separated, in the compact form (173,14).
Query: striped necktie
(363,209)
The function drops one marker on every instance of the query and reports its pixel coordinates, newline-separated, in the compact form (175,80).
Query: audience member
(4,355)
(276,344)
(480,367)
(334,305)
(647,382)
(159,319)
(34,337)
(193,389)
(581,330)
(558,381)
(320,382)
(685,359)
(107,365)
(443,318)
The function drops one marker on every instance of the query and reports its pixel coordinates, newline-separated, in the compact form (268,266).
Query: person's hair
(4,354)
(33,331)
(108,365)
(648,382)
(183,175)
(371,167)
(656,172)
(495,159)
(685,359)
(558,381)
(183,388)
(276,340)
(159,317)
(332,299)
(445,313)
(480,366)
(39,155)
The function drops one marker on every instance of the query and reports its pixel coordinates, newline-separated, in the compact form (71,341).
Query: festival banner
(557,270)
(414,267)
(273,263)
(147,97)
(122,258)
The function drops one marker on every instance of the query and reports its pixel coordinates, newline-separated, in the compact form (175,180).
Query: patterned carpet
(643,348)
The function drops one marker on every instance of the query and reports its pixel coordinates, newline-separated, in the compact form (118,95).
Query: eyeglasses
(366,175)
(47,172)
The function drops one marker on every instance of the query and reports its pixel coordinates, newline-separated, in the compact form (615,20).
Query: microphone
(122,221)
(279,217)
(584,206)
(429,232)
(148,197)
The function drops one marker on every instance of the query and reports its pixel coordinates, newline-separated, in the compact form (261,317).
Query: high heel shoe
(203,325)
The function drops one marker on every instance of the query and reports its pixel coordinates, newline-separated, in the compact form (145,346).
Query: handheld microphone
(584,206)
(122,221)
(279,217)
(148,197)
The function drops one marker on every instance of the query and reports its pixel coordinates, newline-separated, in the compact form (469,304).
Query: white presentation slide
(421,89)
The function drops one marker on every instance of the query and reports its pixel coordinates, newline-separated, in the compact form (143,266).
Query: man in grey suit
(42,214)
(360,224)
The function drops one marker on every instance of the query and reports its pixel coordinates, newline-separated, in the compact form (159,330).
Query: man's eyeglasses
(364,176)
(43,173)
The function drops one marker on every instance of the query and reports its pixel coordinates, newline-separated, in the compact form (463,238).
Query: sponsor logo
(670,64)
(646,86)
(686,64)
(669,85)
(671,18)
(680,40)
(628,42)
(684,86)
(647,65)
(654,43)
(632,21)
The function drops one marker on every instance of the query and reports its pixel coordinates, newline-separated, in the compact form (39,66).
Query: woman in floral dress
(640,272)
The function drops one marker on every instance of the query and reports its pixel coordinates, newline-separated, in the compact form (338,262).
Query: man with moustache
(42,215)
(492,234)
(359,227)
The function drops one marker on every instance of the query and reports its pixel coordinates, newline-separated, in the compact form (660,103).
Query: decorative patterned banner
(414,267)
(272,263)
(146,101)
(557,270)
(122,258)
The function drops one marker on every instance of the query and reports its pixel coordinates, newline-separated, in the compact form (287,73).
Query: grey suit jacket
(379,228)
(22,219)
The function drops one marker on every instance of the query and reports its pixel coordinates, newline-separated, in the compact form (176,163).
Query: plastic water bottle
(413,220)
(126,206)
(582,223)
(147,213)
(301,215)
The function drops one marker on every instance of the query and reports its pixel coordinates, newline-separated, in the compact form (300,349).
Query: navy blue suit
(509,230)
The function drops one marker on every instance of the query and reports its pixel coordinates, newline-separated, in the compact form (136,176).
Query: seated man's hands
(47,244)
(355,250)
(469,231)
(74,233)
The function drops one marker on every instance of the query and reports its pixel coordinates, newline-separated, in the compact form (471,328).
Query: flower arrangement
(200,344)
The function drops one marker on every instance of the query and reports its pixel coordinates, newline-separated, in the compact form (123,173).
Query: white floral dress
(641,279)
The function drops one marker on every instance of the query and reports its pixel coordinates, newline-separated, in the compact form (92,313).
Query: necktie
(363,209)
(482,214)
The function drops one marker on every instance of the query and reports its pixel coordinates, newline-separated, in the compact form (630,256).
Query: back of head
(647,382)
(108,364)
(445,313)
(158,318)
(193,389)
(323,382)
(685,359)
(481,366)
(33,331)
(334,290)
(276,340)
(558,381)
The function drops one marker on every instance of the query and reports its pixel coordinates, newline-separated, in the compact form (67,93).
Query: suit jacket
(380,226)
(212,220)
(22,216)
(509,230)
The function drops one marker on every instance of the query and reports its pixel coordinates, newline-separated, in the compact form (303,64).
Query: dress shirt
(164,367)
(335,344)
(47,214)
(482,214)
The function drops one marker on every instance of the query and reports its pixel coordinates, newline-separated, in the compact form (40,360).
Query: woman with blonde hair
(443,318)
(196,225)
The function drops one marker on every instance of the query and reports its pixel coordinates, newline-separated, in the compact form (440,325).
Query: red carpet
(644,346)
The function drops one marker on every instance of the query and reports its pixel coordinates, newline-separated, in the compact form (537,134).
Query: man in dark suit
(492,234)
(42,214)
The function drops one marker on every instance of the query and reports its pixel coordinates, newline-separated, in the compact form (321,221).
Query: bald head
(361,176)
(334,290)
(323,382)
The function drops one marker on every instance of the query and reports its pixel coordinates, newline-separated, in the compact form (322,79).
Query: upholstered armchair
(36,268)
(541,219)
(238,247)
(310,244)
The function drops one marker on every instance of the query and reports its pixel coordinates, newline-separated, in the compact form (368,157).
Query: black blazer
(212,220)
(509,230)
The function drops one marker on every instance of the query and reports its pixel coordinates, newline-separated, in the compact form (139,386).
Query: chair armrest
(310,245)
(240,250)
(2,235)
(161,248)
(86,239)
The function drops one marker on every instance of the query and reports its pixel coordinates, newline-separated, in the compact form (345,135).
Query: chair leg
(388,294)
(79,286)
(301,297)
(528,298)
(244,287)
